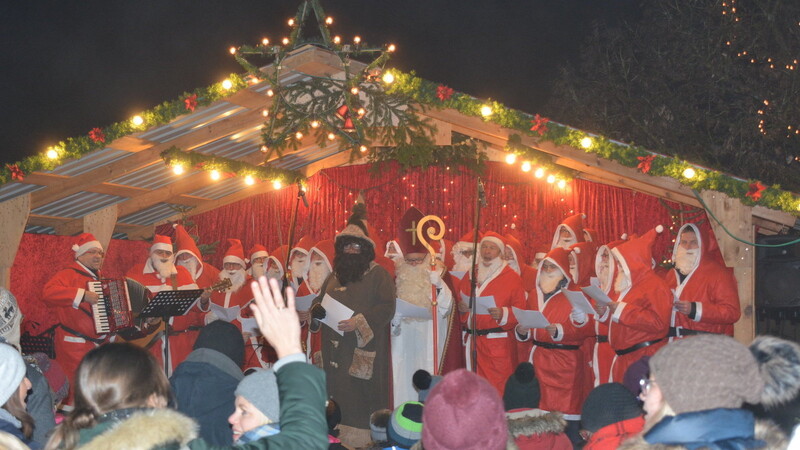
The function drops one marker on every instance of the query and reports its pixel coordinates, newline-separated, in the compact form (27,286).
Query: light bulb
(361,112)
(388,78)
(215,175)
(486,110)
(391,48)
(277,184)
(329,20)
(363,149)
(551,179)
(689,173)
(561,184)
(227,84)
(298,135)
(539,173)
(52,153)
(249,180)
(337,39)
(315,124)
(177,169)
(354,90)
(265,112)
(285,41)
(526,166)
(511,158)
(264,149)
(265,41)
(587,142)
(270,93)
(357,40)
(331,136)
(290,22)
(232,50)
(137,121)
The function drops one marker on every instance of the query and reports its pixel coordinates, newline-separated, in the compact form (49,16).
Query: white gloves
(578,317)
(436,278)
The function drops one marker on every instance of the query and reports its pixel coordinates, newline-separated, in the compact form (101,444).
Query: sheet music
(597,294)
(482,304)
(304,303)
(226,314)
(457,274)
(335,312)
(249,325)
(578,301)
(530,318)
(406,309)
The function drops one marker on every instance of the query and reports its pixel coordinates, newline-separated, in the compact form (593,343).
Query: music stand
(168,304)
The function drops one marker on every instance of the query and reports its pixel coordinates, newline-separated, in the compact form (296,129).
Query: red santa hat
(584,254)
(469,238)
(184,243)
(573,224)
(442,250)
(590,235)
(560,258)
(635,255)
(303,245)
(278,256)
(235,253)
(85,242)
(495,238)
(516,247)
(161,243)
(257,251)
(326,250)
(407,232)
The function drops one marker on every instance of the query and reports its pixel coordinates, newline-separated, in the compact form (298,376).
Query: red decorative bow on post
(755,191)
(645,163)
(539,124)
(16,172)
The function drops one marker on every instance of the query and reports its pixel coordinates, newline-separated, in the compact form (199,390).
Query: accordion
(118,302)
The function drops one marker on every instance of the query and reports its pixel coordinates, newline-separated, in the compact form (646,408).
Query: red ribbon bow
(645,162)
(443,92)
(191,102)
(539,124)
(97,135)
(16,172)
(755,191)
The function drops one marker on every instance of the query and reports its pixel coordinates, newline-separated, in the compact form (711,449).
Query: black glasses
(352,246)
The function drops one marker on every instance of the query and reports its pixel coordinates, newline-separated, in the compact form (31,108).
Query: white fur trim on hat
(495,240)
(161,246)
(12,371)
(261,254)
(234,259)
(659,228)
(81,249)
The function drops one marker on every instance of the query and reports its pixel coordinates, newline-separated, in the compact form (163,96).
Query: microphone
(481,194)
(302,194)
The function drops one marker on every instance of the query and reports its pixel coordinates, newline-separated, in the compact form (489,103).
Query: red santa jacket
(144,273)
(64,293)
(710,286)
(208,276)
(506,288)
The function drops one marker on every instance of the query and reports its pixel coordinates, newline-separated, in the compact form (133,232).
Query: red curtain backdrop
(40,256)
(516,200)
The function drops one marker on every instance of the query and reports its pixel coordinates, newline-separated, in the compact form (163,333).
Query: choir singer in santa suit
(355,354)
(258,261)
(706,297)
(159,273)
(321,265)
(494,342)
(638,316)
(67,295)
(412,337)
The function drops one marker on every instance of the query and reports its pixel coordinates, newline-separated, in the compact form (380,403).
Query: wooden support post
(101,224)
(13,217)
(738,219)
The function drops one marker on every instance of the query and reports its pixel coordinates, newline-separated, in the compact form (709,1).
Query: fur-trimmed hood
(143,430)
(765,431)
(534,421)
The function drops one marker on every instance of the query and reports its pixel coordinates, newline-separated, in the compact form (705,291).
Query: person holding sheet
(557,358)
(355,355)
(320,267)
(412,338)
(495,346)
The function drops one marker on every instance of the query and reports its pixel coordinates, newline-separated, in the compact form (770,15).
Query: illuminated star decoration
(191,102)
(371,110)
(755,191)
(16,172)
(539,124)
(97,135)
(645,162)
(443,92)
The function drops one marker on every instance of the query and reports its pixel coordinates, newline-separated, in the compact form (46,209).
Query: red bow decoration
(16,172)
(539,124)
(443,92)
(97,135)
(755,191)
(645,162)
(191,102)
(344,113)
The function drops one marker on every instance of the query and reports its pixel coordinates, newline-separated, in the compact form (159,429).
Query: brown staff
(434,236)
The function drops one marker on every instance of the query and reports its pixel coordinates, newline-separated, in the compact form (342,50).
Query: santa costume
(572,225)
(204,275)
(257,268)
(602,353)
(310,287)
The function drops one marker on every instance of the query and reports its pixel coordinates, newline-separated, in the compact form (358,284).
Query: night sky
(67,67)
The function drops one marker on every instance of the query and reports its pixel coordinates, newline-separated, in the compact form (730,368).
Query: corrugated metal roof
(151,215)
(305,157)
(153,176)
(186,124)
(221,188)
(78,205)
(89,162)
(40,230)
(11,190)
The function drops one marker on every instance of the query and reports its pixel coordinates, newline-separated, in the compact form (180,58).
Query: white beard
(274,273)
(462,263)
(548,282)
(484,271)
(257,270)
(414,283)
(605,278)
(164,268)
(621,282)
(237,278)
(191,264)
(565,243)
(514,265)
(686,260)
(317,275)
(299,268)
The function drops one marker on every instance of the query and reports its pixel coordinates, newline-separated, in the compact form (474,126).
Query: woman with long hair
(14,386)
(121,394)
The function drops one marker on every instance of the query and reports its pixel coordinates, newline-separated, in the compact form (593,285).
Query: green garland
(174,156)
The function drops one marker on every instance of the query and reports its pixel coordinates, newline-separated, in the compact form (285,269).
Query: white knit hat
(12,372)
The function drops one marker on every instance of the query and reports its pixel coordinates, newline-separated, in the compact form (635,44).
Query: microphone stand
(301,195)
(480,202)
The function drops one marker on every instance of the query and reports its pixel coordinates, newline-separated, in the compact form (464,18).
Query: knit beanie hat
(12,371)
(606,404)
(405,427)
(10,317)
(705,372)
(223,337)
(261,389)
(465,412)
(637,371)
(378,423)
(423,381)
(54,375)
(522,389)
